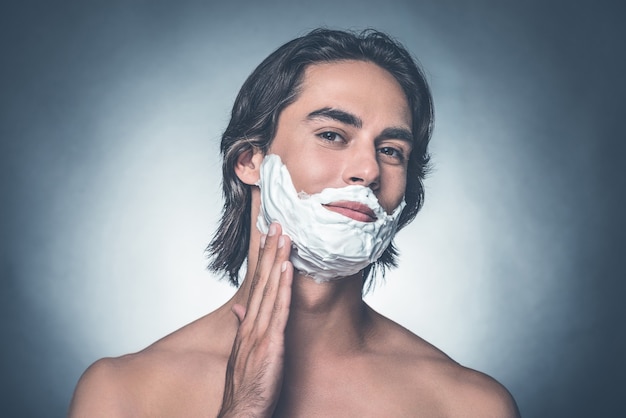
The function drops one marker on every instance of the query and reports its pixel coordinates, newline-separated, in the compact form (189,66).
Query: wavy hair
(275,84)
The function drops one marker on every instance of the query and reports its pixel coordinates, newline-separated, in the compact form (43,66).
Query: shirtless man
(346,112)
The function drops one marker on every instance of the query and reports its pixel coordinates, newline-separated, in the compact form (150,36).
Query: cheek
(392,192)
(308,177)
(312,171)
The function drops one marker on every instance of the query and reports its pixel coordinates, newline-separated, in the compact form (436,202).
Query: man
(327,143)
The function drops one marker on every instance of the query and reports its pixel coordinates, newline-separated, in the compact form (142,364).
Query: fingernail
(283,266)
(272,230)
(281,241)
(263,238)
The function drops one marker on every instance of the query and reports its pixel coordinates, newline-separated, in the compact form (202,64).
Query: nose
(361,167)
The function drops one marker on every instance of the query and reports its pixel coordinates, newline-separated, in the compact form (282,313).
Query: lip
(353,210)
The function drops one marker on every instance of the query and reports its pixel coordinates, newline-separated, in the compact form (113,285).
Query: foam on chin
(327,245)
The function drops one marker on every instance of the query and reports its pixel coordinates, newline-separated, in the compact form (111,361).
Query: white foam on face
(327,245)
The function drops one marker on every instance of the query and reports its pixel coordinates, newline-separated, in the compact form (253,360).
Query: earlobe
(248,166)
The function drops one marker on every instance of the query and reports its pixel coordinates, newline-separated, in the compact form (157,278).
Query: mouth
(353,210)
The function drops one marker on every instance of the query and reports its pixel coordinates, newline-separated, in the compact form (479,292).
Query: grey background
(110,118)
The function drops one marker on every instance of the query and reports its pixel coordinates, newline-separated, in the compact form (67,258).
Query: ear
(248,166)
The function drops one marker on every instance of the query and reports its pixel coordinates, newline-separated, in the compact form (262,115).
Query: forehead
(360,87)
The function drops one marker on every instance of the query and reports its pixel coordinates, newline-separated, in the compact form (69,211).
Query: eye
(331,136)
(392,152)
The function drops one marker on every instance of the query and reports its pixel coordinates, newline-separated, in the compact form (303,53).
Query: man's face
(350,125)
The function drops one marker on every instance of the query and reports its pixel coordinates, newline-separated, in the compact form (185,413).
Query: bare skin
(284,345)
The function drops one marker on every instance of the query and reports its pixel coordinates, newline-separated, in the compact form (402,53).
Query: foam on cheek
(327,245)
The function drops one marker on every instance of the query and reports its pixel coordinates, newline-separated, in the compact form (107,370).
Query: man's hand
(255,368)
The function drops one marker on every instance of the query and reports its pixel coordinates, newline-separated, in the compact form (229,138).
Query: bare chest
(365,391)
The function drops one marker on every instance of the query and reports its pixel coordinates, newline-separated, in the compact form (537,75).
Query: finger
(239,311)
(282,304)
(266,309)
(264,265)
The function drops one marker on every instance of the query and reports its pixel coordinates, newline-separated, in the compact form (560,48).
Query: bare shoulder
(474,394)
(174,371)
(439,385)
(100,391)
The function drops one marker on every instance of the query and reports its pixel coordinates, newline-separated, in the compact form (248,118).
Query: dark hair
(272,86)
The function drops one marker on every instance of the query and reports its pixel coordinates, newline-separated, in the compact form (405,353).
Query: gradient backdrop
(111,114)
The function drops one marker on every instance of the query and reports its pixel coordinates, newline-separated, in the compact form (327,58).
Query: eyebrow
(353,120)
(397,133)
(336,114)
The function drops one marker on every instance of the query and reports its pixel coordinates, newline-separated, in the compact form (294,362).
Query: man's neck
(326,315)
(322,315)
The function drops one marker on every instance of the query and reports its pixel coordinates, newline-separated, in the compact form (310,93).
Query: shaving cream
(326,245)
